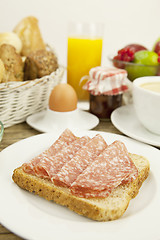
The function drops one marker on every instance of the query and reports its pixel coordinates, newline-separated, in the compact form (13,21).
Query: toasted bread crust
(100,209)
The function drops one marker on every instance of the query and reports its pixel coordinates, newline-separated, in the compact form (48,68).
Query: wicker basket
(21,99)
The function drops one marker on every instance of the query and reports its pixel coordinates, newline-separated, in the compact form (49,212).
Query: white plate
(125,120)
(49,121)
(35,218)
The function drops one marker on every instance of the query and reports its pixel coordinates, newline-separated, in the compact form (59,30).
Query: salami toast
(101,209)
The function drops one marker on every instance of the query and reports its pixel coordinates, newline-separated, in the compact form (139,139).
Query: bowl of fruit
(138,61)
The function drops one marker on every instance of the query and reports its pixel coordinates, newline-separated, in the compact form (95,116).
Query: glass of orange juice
(84,53)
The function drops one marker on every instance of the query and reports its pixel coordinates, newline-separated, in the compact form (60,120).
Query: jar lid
(106,81)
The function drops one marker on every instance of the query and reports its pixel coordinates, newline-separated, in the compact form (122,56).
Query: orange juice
(83,54)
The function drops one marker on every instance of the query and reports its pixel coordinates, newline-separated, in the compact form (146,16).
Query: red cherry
(127,53)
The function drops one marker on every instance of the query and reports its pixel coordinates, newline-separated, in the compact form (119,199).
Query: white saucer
(49,121)
(125,120)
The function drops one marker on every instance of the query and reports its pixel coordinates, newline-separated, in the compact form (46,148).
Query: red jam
(103,105)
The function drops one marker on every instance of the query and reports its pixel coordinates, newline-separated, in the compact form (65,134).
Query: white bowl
(147,104)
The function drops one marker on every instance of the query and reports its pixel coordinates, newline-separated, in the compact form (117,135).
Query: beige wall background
(136,21)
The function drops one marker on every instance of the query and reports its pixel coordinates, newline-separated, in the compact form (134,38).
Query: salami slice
(49,166)
(108,171)
(64,139)
(85,156)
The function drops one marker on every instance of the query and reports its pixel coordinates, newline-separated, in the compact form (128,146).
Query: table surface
(20,131)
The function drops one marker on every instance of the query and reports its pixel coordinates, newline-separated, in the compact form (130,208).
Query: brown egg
(63,98)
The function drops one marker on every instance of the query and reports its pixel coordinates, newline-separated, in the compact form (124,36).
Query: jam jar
(106,86)
(103,105)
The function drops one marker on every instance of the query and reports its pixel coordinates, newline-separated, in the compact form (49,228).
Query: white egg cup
(63,119)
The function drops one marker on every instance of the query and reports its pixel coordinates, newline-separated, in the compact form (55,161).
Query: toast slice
(100,209)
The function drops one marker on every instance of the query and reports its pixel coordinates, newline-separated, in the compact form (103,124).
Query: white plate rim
(19,230)
(131,134)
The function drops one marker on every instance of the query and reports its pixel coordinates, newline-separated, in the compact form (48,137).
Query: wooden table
(20,131)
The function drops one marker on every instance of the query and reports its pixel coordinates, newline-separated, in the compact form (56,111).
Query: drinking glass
(84,52)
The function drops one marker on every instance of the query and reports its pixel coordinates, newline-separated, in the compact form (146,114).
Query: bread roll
(12,39)
(39,63)
(29,33)
(12,62)
(2,71)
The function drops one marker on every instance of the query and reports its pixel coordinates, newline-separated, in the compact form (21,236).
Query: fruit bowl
(1,131)
(135,70)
